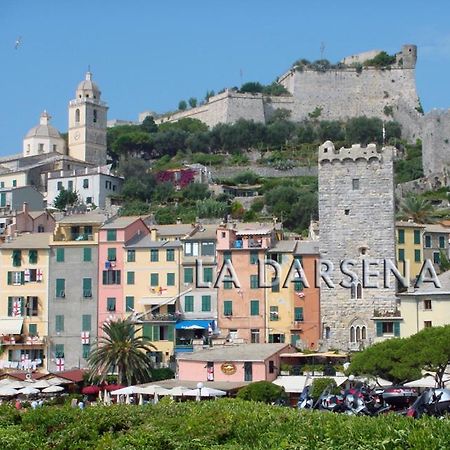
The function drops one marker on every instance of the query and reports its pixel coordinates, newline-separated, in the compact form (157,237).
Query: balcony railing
(160,318)
(387,313)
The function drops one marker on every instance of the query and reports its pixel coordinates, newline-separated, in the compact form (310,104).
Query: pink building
(245,362)
(112,238)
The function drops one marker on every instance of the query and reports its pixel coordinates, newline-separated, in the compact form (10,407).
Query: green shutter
(9,278)
(32,329)
(59,351)
(188,303)
(206,303)
(401,236)
(3,199)
(59,255)
(22,277)
(253,257)
(397,329)
(170,332)
(276,286)
(86,350)
(401,254)
(170,279)
(10,306)
(227,308)
(154,255)
(60,287)
(154,279)
(32,256)
(130,277)
(188,275)
(17,258)
(170,254)
(208,275)
(417,256)
(298,314)
(86,324)
(59,323)
(112,254)
(270,338)
(298,286)
(416,236)
(87,287)
(253,281)
(156,333)
(227,256)
(254,307)
(147,331)
(87,254)
(22,306)
(129,303)
(379,326)
(131,256)
(111,235)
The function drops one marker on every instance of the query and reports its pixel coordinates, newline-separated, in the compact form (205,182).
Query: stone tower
(87,123)
(356,221)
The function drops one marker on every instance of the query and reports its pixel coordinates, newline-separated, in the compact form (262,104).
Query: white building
(93,186)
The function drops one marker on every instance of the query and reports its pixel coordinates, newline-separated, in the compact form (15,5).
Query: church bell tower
(87,123)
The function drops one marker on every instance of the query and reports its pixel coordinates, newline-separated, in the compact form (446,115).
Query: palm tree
(120,348)
(416,208)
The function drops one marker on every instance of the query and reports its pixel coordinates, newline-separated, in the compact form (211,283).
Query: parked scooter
(433,402)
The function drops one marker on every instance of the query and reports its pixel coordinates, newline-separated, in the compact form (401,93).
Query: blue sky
(148,55)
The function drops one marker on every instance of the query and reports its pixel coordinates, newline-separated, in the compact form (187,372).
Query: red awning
(90,390)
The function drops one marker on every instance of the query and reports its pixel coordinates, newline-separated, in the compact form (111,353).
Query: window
(227,284)
(111,235)
(170,279)
(32,256)
(31,306)
(253,281)
(170,254)
(188,275)
(427,304)
(271,367)
(227,308)
(298,285)
(87,287)
(14,183)
(355,184)
(275,285)
(59,255)
(276,338)
(154,255)
(111,304)
(401,236)
(208,249)
(2,184)
(254,307)
(130,277)
(15,306)
(59,323)
(60,288)
(86,350)
(16,278)
(112,254)
(298,314)
(59,186)
(70,185)
(131,256)
(206,303)
(427,324)
(401,254)
(248,371)
(88,200)
(191,248)
(77,115)
(59,350)
(346,212)
(427,241)
(253,257)
(129,303)
(207,274)
(3,199)
(154,279)
(111,277)
(359,291)
(417,255)
(188,303)
(441,241)
(17,258)
(388,328)
(85,183)
(86,322)
(274,313)
(87,254)
(254,336)
(41,229)
(436,257)
(94,116)
(416,236)
(32,329)
(227,256)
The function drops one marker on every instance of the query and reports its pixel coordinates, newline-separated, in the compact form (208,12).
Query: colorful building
(24,273)
(73,290)
(435,244)
(409,247)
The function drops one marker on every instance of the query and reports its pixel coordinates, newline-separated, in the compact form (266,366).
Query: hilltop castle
(349,89)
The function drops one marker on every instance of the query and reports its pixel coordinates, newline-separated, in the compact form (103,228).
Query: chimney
(25,208)
(153,232)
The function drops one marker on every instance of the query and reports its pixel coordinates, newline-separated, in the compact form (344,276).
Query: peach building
(244,362)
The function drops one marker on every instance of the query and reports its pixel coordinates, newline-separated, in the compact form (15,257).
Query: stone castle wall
(354,221)
(435,141)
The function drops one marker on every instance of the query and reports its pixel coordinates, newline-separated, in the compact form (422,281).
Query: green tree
(209,94)
(121,349)
(136,144)
(192,102)
(416,208)
(363,130)
(164,192)
(182,105)
(65,198)
(134,208)
(210,208)
(330,130)
(148,125)
(196,191)
(383,59)
(262,391)
(252,87)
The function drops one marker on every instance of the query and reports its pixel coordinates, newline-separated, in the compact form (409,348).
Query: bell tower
(87,123)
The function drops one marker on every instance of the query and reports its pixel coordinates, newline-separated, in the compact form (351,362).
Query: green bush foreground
(221,424)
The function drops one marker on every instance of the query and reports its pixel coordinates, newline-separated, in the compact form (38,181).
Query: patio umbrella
(52,389)
(204,392)
(141,399)
(40,384)
(107,398)
(7,392)
(424,382)
(13,384)
(130,390)
(127,400)
(91,390)
(113,387)
(29,390)
(155,398)
(58,380)
(176,391)
(154,389)
(100,396)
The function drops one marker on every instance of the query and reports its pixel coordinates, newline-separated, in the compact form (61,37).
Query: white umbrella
(127,399)
(141,399)
(129,390)
(155,399)
(100,396)
(204,392)
(13,384)
(424,382)
(41,384)
(52,389)
(154,389)
(6,381)
(58,380)
(28,390)
(7,392)
(107,398)
(177,391)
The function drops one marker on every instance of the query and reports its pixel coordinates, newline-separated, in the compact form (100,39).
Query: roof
(145,241)
(436,228)
(45,131)
(307,248)
(401,223)
(429,288)
(121,222)
(283,247)
(88,85)
(204,232)
(22,375)
(29,240)
(242,352)
(95,217)
(176,229)
(75,375)
(254,231)
(315,355)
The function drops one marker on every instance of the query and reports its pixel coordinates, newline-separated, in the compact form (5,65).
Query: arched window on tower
(358,334)
(95,116)
(353,291)
(359,291)
(363,333)
(352,334)
(77,115)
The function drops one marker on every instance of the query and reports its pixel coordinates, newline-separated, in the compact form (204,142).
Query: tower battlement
(328,152)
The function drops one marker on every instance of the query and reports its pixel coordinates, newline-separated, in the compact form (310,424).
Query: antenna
(322,49)
(241,73)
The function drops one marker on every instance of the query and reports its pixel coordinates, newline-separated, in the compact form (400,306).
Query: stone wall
(268,172)
(436,141)
(355,223)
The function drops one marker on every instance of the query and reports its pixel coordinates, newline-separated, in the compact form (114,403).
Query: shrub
(261,391)
(320,384)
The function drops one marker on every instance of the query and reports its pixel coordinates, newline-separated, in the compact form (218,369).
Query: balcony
(160,318)
(184,345)
(387,313)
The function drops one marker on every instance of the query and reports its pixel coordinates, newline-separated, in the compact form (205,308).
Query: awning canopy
(157,301)
(11,325)
(193,325)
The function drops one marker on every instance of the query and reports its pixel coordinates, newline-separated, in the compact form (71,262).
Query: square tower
(356,216)
(87,124)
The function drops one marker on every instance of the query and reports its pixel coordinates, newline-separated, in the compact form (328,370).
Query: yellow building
(24,275)
(425,306)
(409,240)
(151,286)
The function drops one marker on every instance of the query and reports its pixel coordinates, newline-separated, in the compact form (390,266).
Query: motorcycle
(433,402)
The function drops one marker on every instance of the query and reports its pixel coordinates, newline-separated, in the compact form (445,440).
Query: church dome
(87,88)
(44,129)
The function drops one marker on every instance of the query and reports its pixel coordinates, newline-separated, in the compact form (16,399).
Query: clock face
(76,136)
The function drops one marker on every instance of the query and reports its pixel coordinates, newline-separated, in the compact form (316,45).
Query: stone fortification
(436,141)
(356,216)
